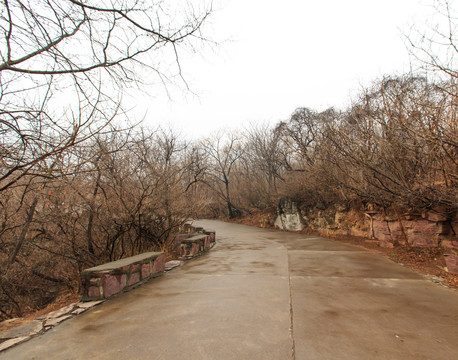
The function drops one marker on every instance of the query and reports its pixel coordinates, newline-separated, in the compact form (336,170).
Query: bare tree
(63,65)
(435,44)
(302,131)
(223,152)
(265,152)
(396,146)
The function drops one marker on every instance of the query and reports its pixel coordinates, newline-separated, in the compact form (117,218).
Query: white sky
(283,55)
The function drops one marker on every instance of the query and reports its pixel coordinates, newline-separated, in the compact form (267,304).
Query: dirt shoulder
(427,261)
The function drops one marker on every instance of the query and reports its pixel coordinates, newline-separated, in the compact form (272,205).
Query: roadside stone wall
(425,230)
(335,220)
(428,229)
(195,242)
(101,282)
(109,279)
(104,281)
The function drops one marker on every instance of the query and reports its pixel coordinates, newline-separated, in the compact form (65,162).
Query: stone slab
(193,239)
(12,342)
(169,265)
(56,321)
(78,311)
(89,304)
(58,313)
(123,262)
(29,329)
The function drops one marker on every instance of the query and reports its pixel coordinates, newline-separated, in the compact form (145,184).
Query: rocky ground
(61,302)
(428,261)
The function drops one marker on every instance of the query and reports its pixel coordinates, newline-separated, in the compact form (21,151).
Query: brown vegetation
(77,189)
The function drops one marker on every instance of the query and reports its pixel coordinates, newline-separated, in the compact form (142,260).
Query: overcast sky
(276,56)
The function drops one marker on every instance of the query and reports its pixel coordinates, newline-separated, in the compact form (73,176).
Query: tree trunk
(21,239)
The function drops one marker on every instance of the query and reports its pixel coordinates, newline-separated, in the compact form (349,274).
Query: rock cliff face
(425,230)
(428,229)
(288,216)
(336,220)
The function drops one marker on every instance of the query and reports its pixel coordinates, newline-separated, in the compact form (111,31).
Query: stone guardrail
(195,244)
(103,281)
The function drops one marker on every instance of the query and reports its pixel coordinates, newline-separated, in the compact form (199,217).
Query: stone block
(135,268)
(11,342)
(93,292)
(381,229)
(59,313)
(443,228)
(207,242)
(397,232)
(185,250)
(384,237)
(94,281)
(423,240)
(433,216)
(29,329)
(424,234)
(201,245)
(134,278)
(195,249)
(451,244)
(169,265)
(146,270)
(212,236)
(454,226)
(78,311)
(113,284)
(89,304)
(408,224)
(452,263)
(158,264)
(108,279)
(178,239)
(292,222)
(56,321)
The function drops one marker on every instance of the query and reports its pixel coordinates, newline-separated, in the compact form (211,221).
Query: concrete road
(262,294)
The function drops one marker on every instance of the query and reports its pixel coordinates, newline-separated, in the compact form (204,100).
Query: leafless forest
(80,185)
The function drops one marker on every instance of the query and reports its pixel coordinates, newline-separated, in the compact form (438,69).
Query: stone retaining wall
(425,231)
(194,243)
(106,280)
(109,279)
(101,282)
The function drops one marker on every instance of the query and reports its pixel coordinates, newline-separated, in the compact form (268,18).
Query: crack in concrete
(293,347)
